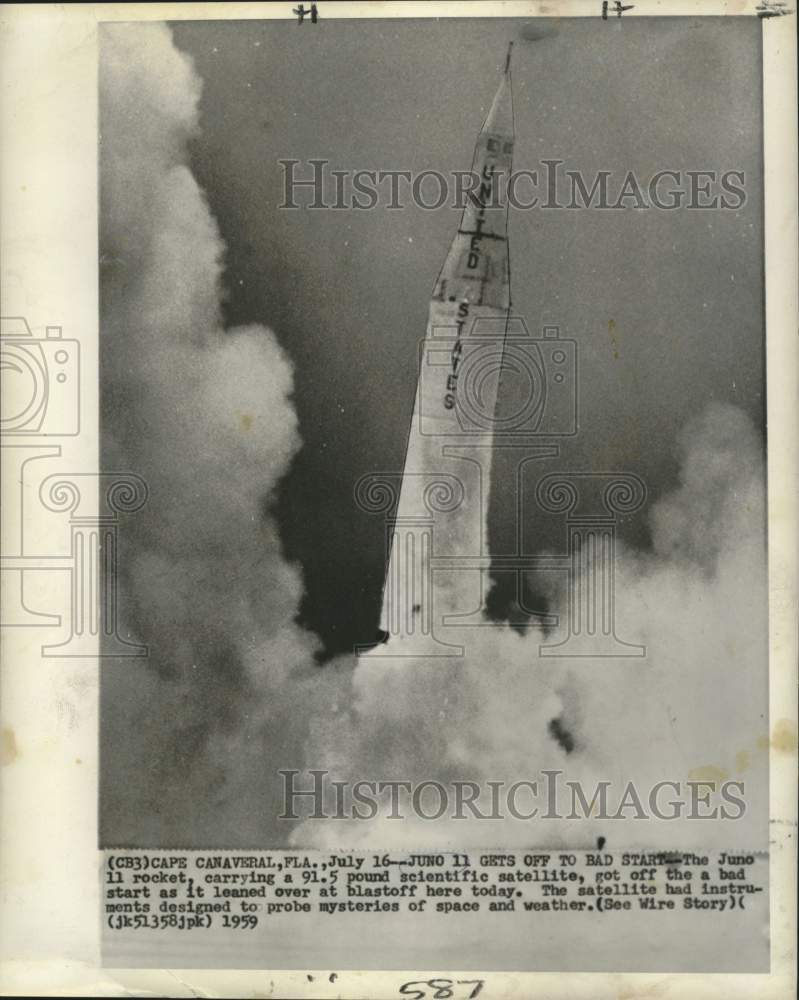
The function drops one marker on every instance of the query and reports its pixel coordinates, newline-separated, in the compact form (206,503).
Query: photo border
(49,859)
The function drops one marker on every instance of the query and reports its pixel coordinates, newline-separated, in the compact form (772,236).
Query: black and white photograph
(429,571)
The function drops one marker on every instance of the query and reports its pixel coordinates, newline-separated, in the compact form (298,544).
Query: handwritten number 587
(441,989)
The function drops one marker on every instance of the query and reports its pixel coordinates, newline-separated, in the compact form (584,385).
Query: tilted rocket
(444,489)
(476,271)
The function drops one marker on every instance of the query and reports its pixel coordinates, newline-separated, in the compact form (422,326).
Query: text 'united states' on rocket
(444,488)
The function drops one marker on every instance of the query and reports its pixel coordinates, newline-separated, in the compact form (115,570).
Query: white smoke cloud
(205,415)
(693,708)
(192,738)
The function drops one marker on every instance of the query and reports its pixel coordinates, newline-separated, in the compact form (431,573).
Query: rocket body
(444,489)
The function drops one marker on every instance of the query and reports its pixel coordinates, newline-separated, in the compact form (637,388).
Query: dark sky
(666,307)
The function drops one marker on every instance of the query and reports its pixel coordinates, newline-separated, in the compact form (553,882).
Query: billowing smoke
(193,736)
(692,709)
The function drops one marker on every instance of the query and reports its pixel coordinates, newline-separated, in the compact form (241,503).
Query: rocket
(443,494)
(476,272)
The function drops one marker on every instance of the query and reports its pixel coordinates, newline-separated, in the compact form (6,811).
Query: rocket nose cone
(500,117)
